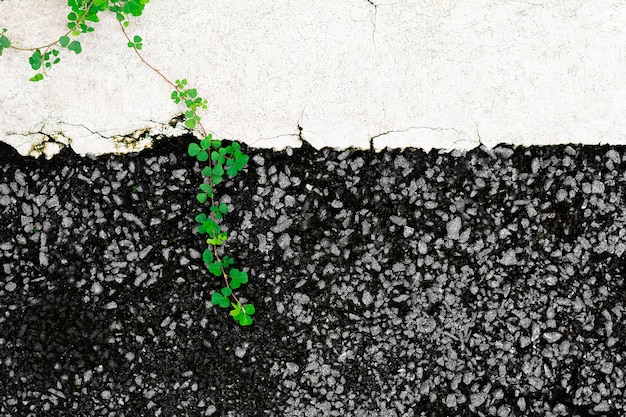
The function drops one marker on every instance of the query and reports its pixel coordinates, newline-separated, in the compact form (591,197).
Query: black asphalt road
(486,283)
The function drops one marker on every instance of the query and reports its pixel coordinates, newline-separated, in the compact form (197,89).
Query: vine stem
(204,132)
(50,45)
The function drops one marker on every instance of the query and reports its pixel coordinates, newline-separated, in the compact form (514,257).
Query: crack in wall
(373,19)
(435,129)
(46,142)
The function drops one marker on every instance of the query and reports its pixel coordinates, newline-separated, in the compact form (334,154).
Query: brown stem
(215,253)
(50,45)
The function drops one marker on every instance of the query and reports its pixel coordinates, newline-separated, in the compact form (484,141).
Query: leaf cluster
(189,96)
(240,312)
(221,160)
(82,14)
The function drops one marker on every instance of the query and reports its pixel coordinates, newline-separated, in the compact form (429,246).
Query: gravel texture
(486,283)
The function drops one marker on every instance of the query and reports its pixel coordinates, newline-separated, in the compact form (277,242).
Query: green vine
(220,160)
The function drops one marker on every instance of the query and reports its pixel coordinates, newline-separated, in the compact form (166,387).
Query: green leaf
(216,179)
(206,187)
(223,207)
(248,309)
(72,16)
(191,124)
(36,77)
(192,91)
(207,256)
(232,171)
(35,60)
(238,277)
(207,171)
(226,292)
(216,269)
(75,46)
(220,300)
(205,143)
(228,261)
(137,39)
(236,311)
(64,41)
(245,320)
(193,149)
(202,156)
(218,170)
(201,197)
(201,218)
(4,42)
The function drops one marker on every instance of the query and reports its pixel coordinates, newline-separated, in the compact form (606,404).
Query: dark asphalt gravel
(486,283)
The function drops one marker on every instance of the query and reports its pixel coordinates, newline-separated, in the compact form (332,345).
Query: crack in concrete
(38,148)
(87,129)
(373,19)
(436,129)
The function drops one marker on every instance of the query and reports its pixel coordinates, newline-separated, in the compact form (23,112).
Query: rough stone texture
(361,73)
(523,317)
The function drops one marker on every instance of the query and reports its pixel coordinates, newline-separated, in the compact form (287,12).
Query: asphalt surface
(486,283)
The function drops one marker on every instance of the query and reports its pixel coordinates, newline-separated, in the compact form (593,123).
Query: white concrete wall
(397,73)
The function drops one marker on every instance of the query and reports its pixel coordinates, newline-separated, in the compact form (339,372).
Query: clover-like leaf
(219,299)
(35,60)
(64,41)
(191,124)
(75,46)
(206,188)
(193,149)
(216,269)
(239,314)
(248,309)
(205,143)
(202,156)
(232,171)
(236,311)
(207,256)
(218,170)
(237,278)
(228,261)
(4,42)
